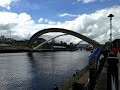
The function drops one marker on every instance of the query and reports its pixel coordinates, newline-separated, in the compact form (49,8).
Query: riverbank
(78,78)
(29,50)
(14,50)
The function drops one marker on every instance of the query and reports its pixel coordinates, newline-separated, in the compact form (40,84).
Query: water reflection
(34,72)
(38,71)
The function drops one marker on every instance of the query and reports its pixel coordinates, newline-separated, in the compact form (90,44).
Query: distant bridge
(41,32)
(47,41)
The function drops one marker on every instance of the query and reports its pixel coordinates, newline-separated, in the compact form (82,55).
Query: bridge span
(47,41)
(41,32)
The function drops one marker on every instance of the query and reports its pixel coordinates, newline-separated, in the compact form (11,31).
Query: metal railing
(95,71)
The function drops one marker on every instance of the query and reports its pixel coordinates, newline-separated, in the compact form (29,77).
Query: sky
(20,19)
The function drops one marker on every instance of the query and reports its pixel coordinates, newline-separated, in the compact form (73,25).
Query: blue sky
(82,16)
(51,9)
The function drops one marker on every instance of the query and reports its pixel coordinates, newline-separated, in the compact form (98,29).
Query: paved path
(101,83)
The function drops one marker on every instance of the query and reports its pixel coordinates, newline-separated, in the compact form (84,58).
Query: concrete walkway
(101,83)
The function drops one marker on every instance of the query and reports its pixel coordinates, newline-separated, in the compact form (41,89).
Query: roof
(59,47)
(4,45)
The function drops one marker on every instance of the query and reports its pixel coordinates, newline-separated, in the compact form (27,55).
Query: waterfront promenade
(101,83)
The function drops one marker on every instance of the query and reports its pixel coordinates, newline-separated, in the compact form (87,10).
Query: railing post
(93,63)
(92,71)
(112,72)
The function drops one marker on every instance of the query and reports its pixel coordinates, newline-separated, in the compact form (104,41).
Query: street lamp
(110,16)
(69,81)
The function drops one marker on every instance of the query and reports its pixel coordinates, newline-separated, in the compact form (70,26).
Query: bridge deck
(101,83)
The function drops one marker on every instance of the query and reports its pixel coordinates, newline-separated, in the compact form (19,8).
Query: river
(39,71)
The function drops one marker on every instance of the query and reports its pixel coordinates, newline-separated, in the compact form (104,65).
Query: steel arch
(41,32)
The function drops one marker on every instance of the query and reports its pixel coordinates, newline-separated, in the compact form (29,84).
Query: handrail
(95,67)
(95,55)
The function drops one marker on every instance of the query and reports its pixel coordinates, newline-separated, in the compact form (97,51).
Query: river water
(39,71)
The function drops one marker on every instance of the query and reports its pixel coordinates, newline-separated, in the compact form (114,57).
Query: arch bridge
(48,41)
(41,32)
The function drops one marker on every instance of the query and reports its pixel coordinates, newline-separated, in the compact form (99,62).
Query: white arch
(48,41)
(39,33)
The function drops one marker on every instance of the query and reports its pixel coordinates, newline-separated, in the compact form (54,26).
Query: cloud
(86,1)
(42,20)
(7,26)
(89,1)
(67,14)
(94,25)
(19,24)
(105,0)
(6,3)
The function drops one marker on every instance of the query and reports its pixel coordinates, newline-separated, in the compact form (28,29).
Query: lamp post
(69,81)
(110,16)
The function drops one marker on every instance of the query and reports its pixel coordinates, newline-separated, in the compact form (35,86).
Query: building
(2,37)
(116,43)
